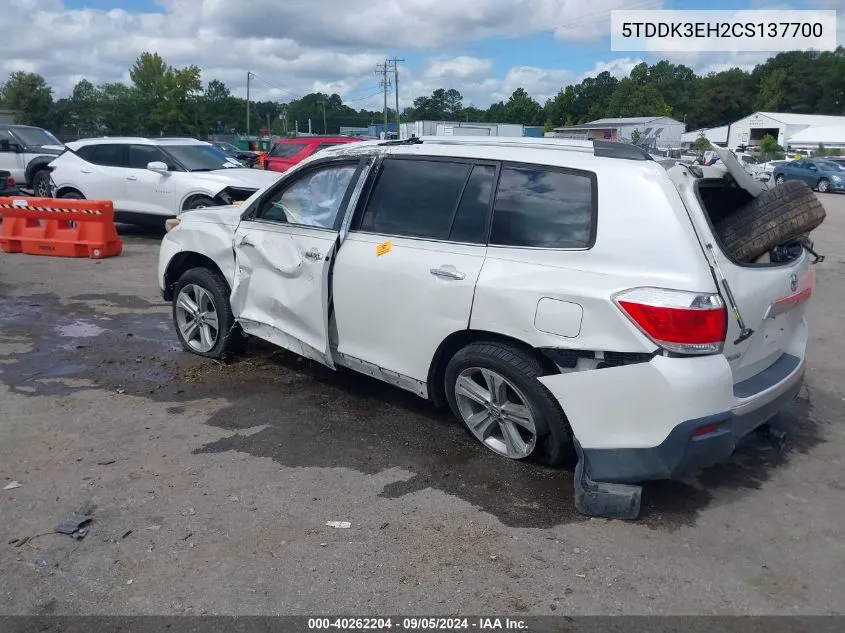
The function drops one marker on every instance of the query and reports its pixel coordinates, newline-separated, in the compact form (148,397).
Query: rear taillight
(678,321)
(10,182)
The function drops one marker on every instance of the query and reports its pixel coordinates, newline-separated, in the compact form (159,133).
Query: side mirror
(157,166)
(8,146)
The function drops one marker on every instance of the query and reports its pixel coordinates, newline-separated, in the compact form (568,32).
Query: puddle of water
(80,329)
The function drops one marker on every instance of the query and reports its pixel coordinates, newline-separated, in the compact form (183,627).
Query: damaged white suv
(563,297)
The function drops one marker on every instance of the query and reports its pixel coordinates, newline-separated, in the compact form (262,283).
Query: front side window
(141,155)
(544,208)
(314,199)
(415,198)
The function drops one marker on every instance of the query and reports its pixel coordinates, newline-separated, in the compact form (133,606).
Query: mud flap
(598,499)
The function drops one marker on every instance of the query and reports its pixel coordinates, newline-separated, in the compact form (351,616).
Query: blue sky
(445,43)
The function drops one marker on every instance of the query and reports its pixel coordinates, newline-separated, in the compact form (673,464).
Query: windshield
(227,147)
(201,157)
(35,136)
(829,165)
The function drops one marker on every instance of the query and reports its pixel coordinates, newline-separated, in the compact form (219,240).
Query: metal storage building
(716,135)
(781,125)
(831,136)
(655,132)
(459,128)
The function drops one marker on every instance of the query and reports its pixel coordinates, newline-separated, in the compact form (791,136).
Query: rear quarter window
(541,207)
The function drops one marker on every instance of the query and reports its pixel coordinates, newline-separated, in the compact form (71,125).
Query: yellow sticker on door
(383,248)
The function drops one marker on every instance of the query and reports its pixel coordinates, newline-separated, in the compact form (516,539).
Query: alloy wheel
(196,318)
(496,412)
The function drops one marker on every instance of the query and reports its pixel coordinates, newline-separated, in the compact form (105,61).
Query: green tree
(521,108)
(84,115)
(701,144)
(769,146)
(473,114)
(636,135)
(821,150)
(632,99)
(29,97)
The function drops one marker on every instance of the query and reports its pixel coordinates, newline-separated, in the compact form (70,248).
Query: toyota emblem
(793,282)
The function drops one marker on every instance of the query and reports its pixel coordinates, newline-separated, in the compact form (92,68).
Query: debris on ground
(153,527)
(77,526)
(341,525)
(126,533)
(106,462)
(12,485)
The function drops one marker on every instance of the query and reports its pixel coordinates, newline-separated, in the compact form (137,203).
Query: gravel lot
(213,483)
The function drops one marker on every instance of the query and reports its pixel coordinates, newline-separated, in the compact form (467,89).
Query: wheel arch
(193,193)
(66,189)
(457,340)
(39,163)
(182,262)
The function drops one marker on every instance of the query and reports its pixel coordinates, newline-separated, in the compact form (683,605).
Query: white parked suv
(150,180)
(563,297)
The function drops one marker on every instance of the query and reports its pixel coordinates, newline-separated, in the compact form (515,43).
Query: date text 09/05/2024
(417,624)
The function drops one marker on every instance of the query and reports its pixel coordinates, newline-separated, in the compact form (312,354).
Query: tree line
(163,100)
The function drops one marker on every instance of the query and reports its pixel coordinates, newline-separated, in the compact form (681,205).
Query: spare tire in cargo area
(776,216)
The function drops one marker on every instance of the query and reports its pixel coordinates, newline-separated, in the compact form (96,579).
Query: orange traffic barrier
(261,157)
(59,227)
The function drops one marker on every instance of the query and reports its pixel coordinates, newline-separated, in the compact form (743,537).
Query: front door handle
(85,171)
(448,273)
(313,253)
(132,178)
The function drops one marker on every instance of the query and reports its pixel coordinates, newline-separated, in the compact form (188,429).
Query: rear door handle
(132,178)
(85,171)
(448,273)
(313,253)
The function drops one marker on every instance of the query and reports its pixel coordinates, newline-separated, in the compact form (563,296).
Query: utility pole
(248,75)
(381,69)
(322,102)
(395,62)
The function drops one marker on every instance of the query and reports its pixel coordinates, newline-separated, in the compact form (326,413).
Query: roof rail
(604,149)
(614,149)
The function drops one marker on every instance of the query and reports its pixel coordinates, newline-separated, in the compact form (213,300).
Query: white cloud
(299,46)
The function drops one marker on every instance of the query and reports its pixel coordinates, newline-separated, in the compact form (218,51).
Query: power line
(381,69)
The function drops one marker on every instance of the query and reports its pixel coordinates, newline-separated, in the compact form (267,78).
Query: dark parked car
(824,175)
(8,186)
(250,159)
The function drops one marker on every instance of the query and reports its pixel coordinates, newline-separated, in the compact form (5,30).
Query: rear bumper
(682,452)
(669,417)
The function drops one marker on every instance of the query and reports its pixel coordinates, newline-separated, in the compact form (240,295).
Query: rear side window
(286,150)
(415,198)
(108,155)
(543,208)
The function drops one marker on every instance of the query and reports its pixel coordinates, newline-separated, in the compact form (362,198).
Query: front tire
(199,202)
(780,180)
(493,389)
(202,314)
(824,185)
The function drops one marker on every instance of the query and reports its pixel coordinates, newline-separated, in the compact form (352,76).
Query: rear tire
(513,374)
(202,315)
(776,216)
(780,180)
(41,184)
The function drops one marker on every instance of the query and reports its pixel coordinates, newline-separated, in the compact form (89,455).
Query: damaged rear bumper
(651,420)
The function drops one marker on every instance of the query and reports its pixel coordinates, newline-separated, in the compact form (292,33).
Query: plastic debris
(12,485)
(77,526)
(341,525)
(153,527)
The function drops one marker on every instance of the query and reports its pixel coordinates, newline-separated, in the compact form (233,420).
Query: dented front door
(283,256)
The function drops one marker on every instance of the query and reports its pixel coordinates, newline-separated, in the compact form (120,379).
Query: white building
(831,136)
(716,136)
(658,132)
(459,128)
(781,126)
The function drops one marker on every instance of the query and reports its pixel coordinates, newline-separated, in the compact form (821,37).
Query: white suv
(150,180)
(558,295)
